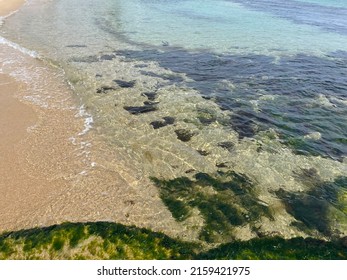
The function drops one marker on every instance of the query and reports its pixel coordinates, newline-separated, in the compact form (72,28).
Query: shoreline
(50,175)
(52,172)
(34,145)
(82,167)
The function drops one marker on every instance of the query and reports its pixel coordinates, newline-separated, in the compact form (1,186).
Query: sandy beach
(98,128)
(8,6)
(44,173)
(48,169)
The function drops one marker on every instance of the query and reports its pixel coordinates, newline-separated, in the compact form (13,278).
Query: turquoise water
(190,87)
(230,26)
(283,47)
(262,27)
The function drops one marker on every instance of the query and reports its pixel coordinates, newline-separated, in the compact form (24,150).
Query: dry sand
(8,6)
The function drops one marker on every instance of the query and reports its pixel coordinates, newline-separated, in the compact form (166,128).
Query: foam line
(23,50)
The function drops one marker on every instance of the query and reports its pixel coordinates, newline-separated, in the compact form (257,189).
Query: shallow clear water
(294,51)
(257,87)
(262,27)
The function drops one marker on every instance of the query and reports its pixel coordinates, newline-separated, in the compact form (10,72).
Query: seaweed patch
(225,201)
(107,57)
(184,134)
(125,84)
(105,89)
(136,110)
(150,95)
(319,208)
(203,152)
(206,117)
(164,122)
(104,240)
(229,146)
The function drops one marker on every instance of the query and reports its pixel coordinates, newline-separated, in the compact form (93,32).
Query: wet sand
(22,188)
(15,118)
(50,172)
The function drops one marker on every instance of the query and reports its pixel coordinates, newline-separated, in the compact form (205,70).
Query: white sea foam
(324,101)
(88,120)
(339,100)
(13,45)
(313,136)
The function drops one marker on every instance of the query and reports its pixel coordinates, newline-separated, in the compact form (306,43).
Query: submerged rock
(105,89)
(125,84)
(222,165)
(169,120)
(107,57)
(227,145)
(184,134)
(158,124)
(164,122)
(203,152)
(85,59)
(136,110)
(151,102)
(150,95)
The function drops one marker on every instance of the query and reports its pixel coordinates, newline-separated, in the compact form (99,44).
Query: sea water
(189,87)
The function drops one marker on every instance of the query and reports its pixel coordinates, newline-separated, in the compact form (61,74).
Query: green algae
(58,244)
(224,201)
(99,240)
(324,204)
(103,240)
(300,146)
(206,116)
(277,248)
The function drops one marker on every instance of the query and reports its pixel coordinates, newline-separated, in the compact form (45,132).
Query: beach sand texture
(44,159)
(8,6)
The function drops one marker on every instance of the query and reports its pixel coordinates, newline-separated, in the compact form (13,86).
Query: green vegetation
(224,201)
(325,203)
(206,116)
(104,240)
(279,249)
(301,146)
(99,240)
